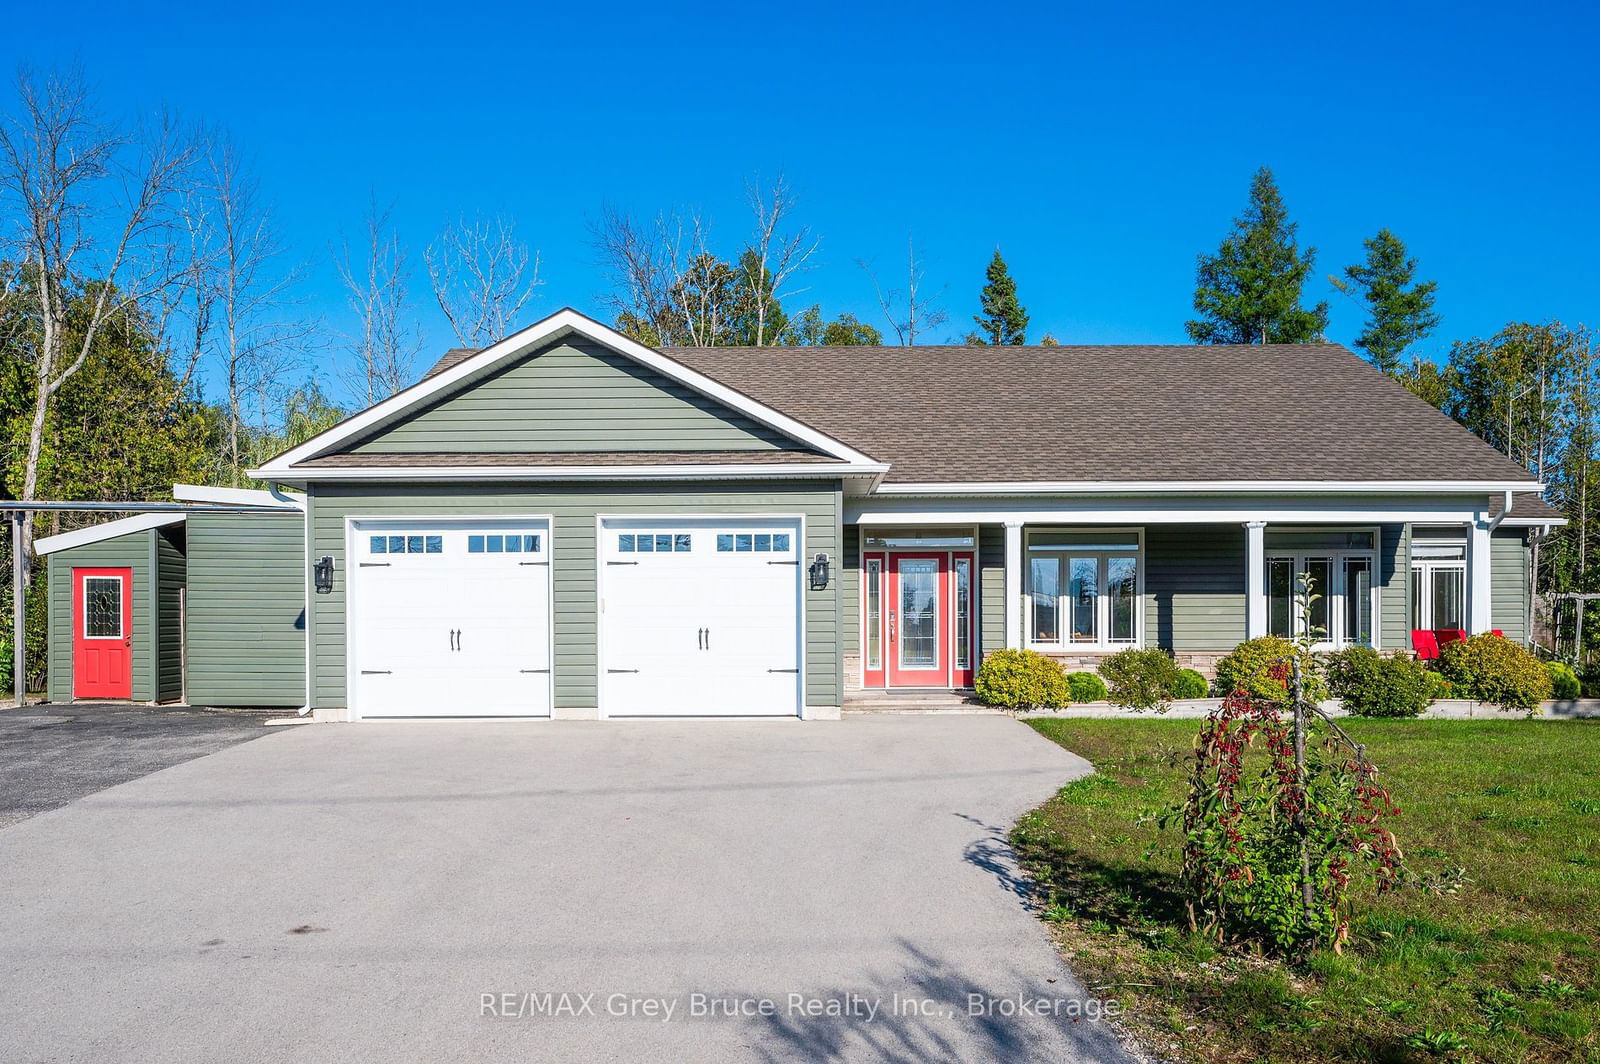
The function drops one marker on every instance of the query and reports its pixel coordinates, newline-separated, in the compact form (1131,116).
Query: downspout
(1505,510)
(305,525)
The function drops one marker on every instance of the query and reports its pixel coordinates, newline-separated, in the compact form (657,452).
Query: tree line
(139,260)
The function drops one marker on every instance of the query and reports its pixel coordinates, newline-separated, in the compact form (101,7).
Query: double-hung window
(1336,573)
(1084,588)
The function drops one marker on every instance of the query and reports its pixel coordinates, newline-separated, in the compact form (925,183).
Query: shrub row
(1487,668)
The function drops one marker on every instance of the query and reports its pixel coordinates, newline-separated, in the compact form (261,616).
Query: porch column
(1014,585)
(1255,579)
(1479,615)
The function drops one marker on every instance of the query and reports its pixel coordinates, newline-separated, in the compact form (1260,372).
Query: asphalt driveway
(384,892)
(54,754)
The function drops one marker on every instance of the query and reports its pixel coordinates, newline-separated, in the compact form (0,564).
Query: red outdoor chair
(1446,636)
(1424,643)
(1498,632)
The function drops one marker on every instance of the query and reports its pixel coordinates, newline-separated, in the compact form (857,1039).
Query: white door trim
(350,614)
(600,520)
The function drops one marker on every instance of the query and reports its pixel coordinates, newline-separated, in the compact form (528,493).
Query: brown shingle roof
(564,458)
(1111,413)
(1525,505)
(448,359)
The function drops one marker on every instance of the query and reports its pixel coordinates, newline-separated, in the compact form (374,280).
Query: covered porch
(1079,579)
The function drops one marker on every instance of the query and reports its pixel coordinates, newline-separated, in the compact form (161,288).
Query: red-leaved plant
(1270,850)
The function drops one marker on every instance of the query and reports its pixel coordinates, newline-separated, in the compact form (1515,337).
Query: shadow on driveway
(52,754)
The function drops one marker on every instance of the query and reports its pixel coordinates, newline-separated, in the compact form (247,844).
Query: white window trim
(1334,596)
(122,608)
(1103,600)
(1423,569)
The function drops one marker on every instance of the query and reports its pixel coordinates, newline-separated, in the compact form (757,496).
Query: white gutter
(1212,487)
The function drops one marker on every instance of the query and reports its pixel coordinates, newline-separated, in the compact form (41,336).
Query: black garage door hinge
(622,563)
(783,670)
(534,670)
(622,670)
(377,672)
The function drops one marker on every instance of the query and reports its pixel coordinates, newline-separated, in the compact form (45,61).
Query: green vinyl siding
(574,396)
(132,551)
(246,609)
(574,508)
(991,589)
(1508,583)
(171,567)
(1194,595)
(1394,596)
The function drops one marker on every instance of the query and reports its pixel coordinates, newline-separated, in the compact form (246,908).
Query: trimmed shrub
(1086,687)
(1563,681)
(1438,686)
(1141,679)
(1022,679)
(1248,668)
(1372,685)
(1491,668)
(1190,684)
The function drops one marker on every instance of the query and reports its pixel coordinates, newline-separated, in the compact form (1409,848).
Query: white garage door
(700,618)
(450,618)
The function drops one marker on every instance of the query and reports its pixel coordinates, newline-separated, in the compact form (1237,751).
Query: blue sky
(1099,150)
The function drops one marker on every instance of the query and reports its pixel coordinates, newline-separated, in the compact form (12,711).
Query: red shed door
(102,633)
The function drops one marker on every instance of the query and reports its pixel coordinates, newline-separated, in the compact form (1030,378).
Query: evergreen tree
(1004,321)
(1401,307)
(1249,291)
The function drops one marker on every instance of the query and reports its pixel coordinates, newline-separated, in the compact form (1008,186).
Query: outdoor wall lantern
(322,574)
(819,572)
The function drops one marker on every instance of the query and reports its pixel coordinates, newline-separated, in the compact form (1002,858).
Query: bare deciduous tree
(258,338)
(481,277)
(643,261)
(388,340)
(919,315)
(98,212)
(778,256)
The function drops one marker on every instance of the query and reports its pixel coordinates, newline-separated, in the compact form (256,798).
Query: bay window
(1084,588)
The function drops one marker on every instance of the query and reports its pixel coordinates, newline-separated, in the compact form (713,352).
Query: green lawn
(1507,969)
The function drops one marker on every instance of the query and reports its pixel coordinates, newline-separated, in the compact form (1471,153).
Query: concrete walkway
(369,892)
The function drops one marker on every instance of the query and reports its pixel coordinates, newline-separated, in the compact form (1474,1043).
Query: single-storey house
(571,524)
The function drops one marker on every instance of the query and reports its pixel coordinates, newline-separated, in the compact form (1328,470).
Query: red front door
(919,617)
(102,633)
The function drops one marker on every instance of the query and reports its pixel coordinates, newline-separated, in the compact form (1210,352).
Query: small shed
(205,607)
(115,610)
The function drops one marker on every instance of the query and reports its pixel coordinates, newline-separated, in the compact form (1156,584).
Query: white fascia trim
(109,530)
(1532,522)
(561,322)
(1211,487)
(787,471)
(235,497)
